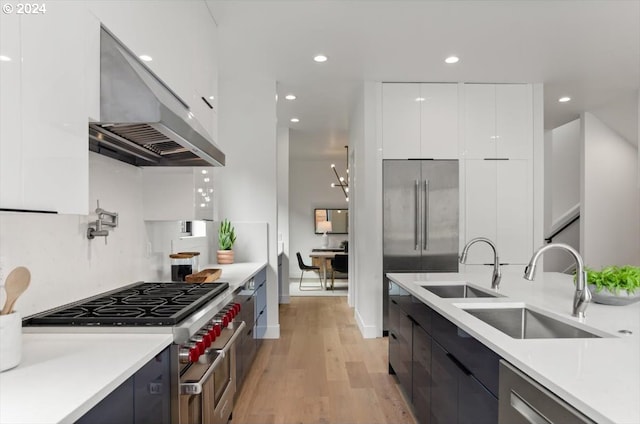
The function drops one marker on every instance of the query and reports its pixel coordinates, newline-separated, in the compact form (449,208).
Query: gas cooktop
(140,304)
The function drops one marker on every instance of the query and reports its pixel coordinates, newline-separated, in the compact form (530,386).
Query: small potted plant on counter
(615,285)
(226,238)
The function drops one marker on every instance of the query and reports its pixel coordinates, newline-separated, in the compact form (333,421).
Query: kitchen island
(600,377)
(63,375)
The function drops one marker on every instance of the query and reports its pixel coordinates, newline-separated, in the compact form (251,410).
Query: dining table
(325,257)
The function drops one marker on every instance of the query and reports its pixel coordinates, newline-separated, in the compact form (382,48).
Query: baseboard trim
(285,299)
(272,332)
(367,331)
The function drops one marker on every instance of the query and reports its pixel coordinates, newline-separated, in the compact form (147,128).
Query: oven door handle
(195,388)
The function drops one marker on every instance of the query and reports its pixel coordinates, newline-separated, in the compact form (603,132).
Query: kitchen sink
(523,323)
(459,291)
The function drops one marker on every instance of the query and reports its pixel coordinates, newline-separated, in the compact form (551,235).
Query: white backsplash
(65,266)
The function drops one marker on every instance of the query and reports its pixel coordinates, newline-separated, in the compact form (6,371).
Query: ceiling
(586,49)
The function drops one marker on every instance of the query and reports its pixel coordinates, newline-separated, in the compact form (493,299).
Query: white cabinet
(498,121)
(10,113)
(499,205)
(44,135)
(400,121)
(181,39)
(177,194)
(439,121)
(419,120)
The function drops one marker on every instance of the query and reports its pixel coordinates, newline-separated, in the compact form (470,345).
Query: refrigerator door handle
(426,216)
(416,223)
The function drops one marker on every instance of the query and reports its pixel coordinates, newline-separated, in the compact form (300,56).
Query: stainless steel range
(202,321)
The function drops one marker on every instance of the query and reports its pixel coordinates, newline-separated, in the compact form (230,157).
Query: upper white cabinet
(498,205)
(44,110)
(177,194)
(498,121)
(420,120)
(181,40)
(400,121)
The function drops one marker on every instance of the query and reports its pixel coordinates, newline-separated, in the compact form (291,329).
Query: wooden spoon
(16,283)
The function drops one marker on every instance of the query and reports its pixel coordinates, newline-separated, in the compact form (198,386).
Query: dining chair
(304,267)
(340,263)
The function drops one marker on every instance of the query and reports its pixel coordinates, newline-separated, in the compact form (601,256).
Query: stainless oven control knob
(216,329)
(204,337)
(222,319)
(213,331)
(189,353)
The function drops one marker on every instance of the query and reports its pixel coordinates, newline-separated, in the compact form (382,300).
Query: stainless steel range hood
(142,121)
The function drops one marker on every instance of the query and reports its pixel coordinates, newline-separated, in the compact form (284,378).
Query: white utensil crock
(10,340)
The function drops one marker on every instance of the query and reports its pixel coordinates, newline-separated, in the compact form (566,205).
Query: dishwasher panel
(523,401)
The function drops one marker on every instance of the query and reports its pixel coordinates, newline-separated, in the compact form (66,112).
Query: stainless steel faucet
(106,219)
(582,296)
(497,273)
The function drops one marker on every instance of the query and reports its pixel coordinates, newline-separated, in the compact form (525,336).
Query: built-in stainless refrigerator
(420,219)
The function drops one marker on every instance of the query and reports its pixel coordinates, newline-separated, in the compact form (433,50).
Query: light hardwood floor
(321,370)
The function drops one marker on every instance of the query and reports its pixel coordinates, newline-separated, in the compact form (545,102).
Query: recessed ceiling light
(4,58)
(420,99)
(290,97)
(452,59)
(564,99)
(295,120)
(320,58)
(145,57)
(212,98)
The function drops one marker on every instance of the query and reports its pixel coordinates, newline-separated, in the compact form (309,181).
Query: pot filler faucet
(497,274)
(582,295)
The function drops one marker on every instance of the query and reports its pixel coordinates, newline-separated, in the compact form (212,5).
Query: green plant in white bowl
(615,285)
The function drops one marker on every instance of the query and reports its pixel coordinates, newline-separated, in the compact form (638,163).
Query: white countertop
(600,377)
(63,375)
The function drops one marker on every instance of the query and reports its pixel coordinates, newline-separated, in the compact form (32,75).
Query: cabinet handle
(458,364)
(527,412)
(413,320)
(393,301)
(496,158)
(394,336)
(417,216)
(206,102)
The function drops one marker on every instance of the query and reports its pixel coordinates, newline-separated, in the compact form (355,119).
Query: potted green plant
(226,238)
(615,285)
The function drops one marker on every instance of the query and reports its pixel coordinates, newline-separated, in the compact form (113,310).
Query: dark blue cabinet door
(117,407)
(400,342)
(152,391)
(421,374)
(444,388)
(477,405)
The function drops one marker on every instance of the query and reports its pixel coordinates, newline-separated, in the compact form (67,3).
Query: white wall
(366,199)
(610,210)
(310,187)
(65,266)
(246,188)
(562,191)
(283,210)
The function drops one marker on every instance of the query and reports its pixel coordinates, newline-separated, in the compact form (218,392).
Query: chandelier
(342,182)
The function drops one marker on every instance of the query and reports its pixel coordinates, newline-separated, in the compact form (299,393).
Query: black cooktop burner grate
(143,304)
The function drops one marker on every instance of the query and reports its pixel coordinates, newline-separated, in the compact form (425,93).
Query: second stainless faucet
(497,273)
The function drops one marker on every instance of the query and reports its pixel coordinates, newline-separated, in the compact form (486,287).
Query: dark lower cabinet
(421,374)
(447,375)
(476,405)
(400,347)
(144,398)
(444,389)
(457,396)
